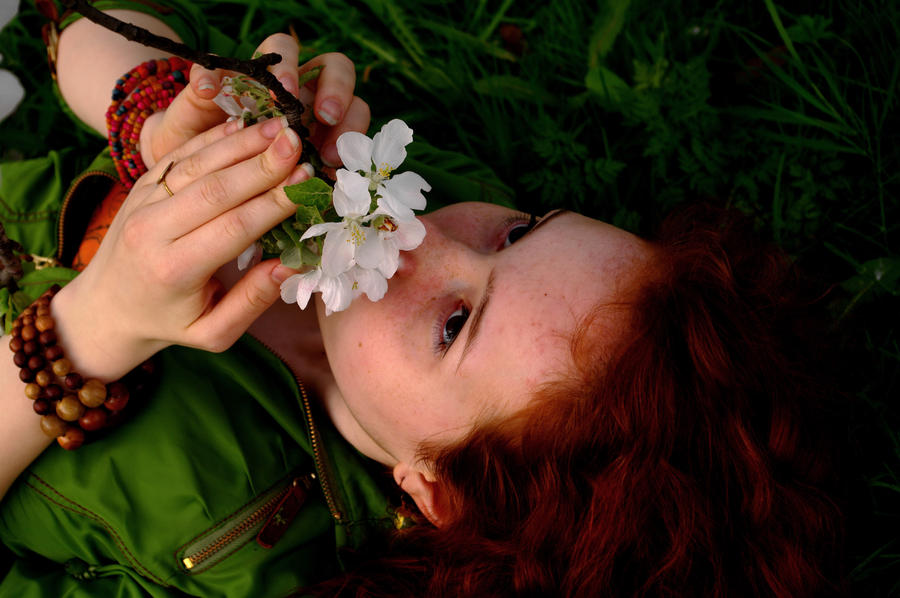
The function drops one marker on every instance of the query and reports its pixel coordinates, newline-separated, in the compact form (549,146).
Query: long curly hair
(688,461)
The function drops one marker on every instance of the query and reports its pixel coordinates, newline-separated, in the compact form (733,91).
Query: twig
(257,68)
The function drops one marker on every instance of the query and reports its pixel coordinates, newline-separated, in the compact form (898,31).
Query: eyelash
(511,224)
(441,344)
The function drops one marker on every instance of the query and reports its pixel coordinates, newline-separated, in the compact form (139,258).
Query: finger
(325,138)
(219,191)
(226,236)
(334,86)
(286,70)
(232,315)
(220,153)
(190,113)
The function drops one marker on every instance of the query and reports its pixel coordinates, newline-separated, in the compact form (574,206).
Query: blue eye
(450,329)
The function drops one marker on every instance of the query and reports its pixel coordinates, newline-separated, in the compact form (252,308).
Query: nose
(447,248)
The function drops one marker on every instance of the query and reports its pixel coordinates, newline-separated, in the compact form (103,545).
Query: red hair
(686,461)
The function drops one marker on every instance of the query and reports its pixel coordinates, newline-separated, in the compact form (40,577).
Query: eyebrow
(481,308)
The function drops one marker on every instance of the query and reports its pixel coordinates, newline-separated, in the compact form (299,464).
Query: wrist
(94,340)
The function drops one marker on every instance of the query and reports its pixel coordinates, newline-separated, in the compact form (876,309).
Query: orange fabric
(98,225)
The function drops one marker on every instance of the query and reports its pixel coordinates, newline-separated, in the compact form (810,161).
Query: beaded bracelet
(68,404)
(145,89)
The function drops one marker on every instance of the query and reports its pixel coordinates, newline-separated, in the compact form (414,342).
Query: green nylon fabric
(218,431)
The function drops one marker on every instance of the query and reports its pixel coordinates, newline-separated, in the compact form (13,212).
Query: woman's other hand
(150,284)
(330,96)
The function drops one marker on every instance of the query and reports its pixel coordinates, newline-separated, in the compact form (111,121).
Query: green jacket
(172,501)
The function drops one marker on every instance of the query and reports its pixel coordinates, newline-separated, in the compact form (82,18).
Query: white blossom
(11,90)
(362,251)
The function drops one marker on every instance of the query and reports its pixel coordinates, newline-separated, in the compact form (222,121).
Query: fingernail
(280,273)
(205,84)
(302,173)
(330,157)
(286,143)
(271,127)
(289,85)
(234,126)
(330,111)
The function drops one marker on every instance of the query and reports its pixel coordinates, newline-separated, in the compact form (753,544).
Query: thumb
(192,112)
(252,295)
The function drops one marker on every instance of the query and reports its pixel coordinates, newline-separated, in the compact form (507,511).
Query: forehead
(544,289)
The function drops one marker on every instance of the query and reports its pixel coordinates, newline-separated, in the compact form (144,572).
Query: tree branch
(256,68)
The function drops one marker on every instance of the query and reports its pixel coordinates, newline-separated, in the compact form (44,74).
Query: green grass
(625,109)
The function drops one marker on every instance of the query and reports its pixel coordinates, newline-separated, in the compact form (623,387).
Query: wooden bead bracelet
(70,406)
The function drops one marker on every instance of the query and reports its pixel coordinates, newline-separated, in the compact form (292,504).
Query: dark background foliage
(624,109)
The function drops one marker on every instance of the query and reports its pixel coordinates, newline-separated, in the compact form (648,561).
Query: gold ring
(162,178)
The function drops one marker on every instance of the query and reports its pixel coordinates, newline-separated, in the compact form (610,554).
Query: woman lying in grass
(570,409)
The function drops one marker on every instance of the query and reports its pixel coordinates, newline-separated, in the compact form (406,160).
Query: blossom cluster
(361,251)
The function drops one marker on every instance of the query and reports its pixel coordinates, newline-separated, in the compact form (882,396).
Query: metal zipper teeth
(65,204)
(313,436)
(255,518)
(320,466)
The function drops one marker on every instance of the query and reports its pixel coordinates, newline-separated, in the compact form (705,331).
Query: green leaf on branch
(312,192)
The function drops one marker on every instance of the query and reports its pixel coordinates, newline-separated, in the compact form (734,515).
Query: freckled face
(473,320)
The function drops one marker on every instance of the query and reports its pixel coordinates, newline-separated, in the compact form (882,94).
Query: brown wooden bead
(53,392)
(42,407)
(92,393)
(26,375)
(33,391)
(93,419)
(61,366)
(31,347)
(29,332)
(28,317)
(52,425)
(20,359)
(43,323)
(43,378)
(47,338)
(53,353)
(116,401)
(72,439)
(69,408)
(73,380)
(16,329)
(16,343)
(36,362)
(43,309)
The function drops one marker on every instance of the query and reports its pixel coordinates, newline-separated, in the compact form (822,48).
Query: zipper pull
(285,512)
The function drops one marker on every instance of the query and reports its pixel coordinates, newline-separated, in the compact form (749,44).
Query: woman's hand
(150,284)
(330,96)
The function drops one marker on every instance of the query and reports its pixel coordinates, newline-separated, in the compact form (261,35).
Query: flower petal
(370,282)
(337,292)
(391,259)
(355,150)
(299,287)
(337,252)
(250,256)
(371,252)
(390,145)
(11,93)
(409,234)
(351,195)
(402,194)
(320,229)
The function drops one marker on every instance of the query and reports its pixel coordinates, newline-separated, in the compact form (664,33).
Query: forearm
(91,58)
(21,439)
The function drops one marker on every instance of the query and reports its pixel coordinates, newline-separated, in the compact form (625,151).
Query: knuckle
(257,297)
(189,167)
(339,60)
(269,167)
(235,226)
(212,190)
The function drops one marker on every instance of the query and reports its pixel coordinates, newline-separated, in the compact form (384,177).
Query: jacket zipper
(211,548)
(65,204)
(313,436)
